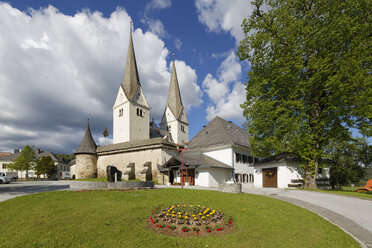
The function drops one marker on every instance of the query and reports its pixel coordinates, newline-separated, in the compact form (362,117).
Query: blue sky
(62,62)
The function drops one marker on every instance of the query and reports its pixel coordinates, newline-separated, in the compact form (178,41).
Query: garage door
(270,178)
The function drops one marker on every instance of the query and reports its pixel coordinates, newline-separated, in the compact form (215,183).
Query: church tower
(131,112)
(174,119)
(86,157)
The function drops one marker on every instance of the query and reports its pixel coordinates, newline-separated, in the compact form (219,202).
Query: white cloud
(226,102)
(178,43)
(222,15)
(57,70)
(155,26)
(158,4)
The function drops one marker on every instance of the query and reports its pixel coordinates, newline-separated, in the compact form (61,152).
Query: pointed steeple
(131,80)
(174,101)
(87,145)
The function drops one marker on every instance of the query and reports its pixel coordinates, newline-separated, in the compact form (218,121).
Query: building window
(4,166)
(250,159)
(320,171)
(139,112)
(238,157)
(182,128)
(245,158)
(251,178)
(169,128)
(120,112)
(237,175)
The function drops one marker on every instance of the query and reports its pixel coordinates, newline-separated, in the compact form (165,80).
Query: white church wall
(202,177)
(218,176)
(139,122)
(179,134)
(122,160)
(222,155)
(121,119)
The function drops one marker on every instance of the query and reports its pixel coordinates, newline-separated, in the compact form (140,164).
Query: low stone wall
(230,187)
(105,185)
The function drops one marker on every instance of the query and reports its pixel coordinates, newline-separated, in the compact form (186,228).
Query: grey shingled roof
(87,145)
(131,81)
(136,144)
(219,132)
(156,132)
(11,157)
(174,101)
(200,160)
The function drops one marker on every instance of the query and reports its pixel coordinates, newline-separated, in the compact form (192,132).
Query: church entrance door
(189,176)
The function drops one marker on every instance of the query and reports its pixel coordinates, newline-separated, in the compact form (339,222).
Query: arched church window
(137,111)
(141,112)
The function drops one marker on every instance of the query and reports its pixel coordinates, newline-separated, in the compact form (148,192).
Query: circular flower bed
(189,220)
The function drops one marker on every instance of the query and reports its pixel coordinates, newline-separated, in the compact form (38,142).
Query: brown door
(189,176)
(270,178)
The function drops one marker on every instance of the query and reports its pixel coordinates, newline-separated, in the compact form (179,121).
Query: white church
(141,149)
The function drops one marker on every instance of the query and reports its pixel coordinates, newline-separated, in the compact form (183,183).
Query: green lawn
(118,219)
(347,191)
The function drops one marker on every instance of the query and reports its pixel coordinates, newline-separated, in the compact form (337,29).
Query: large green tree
(310,80)
(349,161)
(45,165)
(25,161)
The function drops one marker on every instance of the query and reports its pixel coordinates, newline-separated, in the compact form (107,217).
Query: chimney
(16,151)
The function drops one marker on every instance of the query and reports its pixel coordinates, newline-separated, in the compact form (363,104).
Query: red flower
(197,232)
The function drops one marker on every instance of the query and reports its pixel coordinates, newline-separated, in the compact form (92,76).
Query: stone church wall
(86,166)
(122,160)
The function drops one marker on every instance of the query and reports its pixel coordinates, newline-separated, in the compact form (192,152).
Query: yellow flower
(203,217)
(173,215)
(179,216)
(168,210)
(194,218)
(167,214)
(200,213)
(207,215)
(190,205)
(178,205)
(186,217)
(184,205)
(198,206)
(179,212)
(163,212)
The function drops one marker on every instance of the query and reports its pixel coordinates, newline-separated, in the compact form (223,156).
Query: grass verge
(347,191)
(119,219)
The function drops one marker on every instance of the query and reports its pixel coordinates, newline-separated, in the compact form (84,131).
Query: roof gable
(219,132)
(87,145)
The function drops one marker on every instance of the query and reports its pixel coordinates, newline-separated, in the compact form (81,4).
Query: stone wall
(230,187)
(86,166)
(121,160)
(106,185)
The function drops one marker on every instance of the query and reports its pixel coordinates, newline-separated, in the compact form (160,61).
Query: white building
(219,153)
(63,169)
(284,171)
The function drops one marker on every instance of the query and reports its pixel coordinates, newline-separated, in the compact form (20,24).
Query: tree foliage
(25,161)
(45,165)
(105,133)
(310,79)
(349,161)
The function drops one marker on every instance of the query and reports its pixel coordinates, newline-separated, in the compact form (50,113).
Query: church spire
(174,101)
(87,146)
(131,80)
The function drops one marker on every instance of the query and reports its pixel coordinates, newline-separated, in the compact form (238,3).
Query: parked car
(4,179)
(13,175)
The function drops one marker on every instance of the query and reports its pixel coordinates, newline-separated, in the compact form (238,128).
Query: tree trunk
(310,176)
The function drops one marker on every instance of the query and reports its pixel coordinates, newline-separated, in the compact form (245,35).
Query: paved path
(353,215)
(14,189)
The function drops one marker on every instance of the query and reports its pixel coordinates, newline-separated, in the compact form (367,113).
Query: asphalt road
(14,189)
